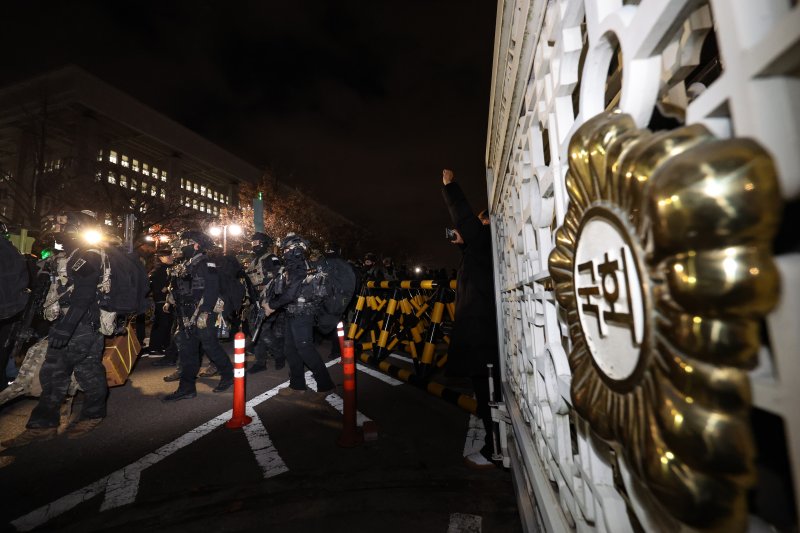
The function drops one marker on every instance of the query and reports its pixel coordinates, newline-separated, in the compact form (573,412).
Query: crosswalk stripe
(475,436)
(265,453)
(464,523)
(122,486)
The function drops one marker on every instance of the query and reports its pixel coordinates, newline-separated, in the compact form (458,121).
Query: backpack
(231,289)
(123,285)
(340,287)
(13,280)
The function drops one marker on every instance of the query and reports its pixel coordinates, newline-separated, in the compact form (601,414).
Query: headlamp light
(92,236)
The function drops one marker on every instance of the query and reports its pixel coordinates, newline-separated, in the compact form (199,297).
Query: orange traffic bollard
(239,419)
(350,435)
(340,333)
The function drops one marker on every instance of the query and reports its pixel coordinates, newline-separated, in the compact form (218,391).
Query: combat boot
(255,368)
(179,395)
(208,372)
(224,384)
(80,428)
(30,435)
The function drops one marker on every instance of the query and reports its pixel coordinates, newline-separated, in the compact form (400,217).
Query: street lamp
(234,229)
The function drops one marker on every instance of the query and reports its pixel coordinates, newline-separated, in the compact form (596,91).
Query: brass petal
(736,281)
(722,388)
(705,439)
(696,498)
(716,194)
(723,341)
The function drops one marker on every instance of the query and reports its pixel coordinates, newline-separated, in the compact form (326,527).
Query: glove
(267,309)
(59,338)
(202,320)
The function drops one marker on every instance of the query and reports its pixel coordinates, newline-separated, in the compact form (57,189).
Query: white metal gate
(732,67)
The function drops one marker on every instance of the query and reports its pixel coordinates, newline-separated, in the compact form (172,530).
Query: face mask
(188,251)
(294,254)
(258,249)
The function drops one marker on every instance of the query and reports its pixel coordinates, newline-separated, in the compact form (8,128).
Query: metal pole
(225,239)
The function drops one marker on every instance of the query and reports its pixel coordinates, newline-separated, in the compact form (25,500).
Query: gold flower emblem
(664,267)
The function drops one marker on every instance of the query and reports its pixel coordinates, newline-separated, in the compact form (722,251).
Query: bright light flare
(418,270)
(215,231)
(92,236)
(235,230)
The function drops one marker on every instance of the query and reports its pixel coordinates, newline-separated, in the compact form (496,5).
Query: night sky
(358,103)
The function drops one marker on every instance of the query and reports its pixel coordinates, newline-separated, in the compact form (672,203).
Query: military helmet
(292,241)
(198,237)
(69,222)
(332,248)
(261,239)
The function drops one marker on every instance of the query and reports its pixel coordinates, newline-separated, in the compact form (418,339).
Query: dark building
(68,139)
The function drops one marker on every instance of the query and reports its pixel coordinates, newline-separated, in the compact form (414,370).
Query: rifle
(273,288)
(175,273)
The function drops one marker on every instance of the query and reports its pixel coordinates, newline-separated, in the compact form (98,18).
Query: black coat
(473,342)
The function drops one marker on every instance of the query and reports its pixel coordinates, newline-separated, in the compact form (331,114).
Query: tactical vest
(255,271)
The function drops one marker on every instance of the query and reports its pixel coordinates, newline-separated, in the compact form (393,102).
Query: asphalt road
(176,467)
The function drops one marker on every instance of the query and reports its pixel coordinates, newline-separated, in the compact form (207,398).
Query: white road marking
(122,486)
(401,357)
(266,455)
(476,434)
(380,375)
(39,516)
(464,523)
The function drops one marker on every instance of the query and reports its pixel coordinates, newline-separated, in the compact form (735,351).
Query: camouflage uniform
(75,345)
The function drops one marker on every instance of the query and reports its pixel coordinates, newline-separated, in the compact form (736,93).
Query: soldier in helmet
(75,343)
(197,307)
(263,269)
(300,293)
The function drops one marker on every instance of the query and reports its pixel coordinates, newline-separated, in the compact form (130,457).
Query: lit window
(153,190)
(154,171)
(187,203)
(112,178)
(163,194)
(183,183)
(208,193)
(194,187)
(145,169)
(109,222)
(163,175)
(194,203)
(202,206)
(202,190)
(133,184)
(99,155)
(227,199)
(216,196)
(112,157)
(125,162)
(135,165)
(98,176)
(216,210)
(123,181)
